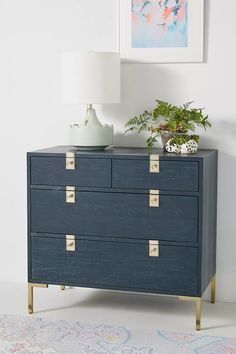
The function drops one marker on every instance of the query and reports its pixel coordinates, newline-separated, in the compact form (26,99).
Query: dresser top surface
(119,152)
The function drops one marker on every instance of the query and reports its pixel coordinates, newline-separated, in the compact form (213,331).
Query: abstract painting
(159,23)
(161,31)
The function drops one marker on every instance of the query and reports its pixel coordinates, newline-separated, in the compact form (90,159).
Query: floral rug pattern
(32,335)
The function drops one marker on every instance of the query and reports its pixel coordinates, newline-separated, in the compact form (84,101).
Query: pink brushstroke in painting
(159,23)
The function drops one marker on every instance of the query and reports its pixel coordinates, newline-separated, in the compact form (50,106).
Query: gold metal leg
(198,314)
(31,295)
(30,298)
(198,304)
(63,287)
(213,290)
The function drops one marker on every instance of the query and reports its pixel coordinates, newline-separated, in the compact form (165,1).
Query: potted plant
(174,124)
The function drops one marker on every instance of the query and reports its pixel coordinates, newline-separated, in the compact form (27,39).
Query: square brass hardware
(70,194)
(70,161)
(153,248)
(70,243)
(154,198)
(154,164)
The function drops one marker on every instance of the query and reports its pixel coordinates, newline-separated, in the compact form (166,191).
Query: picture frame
(143,52)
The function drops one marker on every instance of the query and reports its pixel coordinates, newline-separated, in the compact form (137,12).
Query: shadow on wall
(207,11)
(140,86)
(130,140)
(226,229)
(222,136)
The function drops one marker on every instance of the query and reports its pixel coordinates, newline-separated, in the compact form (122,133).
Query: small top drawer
(88,172)
(172,175)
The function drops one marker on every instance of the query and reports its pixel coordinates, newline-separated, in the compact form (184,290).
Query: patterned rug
(31,335)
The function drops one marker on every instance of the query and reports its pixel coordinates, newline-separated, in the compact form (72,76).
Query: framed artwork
(161,31)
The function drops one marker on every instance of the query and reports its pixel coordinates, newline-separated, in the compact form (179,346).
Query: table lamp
(91,78)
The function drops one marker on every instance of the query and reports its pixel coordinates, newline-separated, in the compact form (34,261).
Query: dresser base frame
(197,300)
(31,287)
(213,290)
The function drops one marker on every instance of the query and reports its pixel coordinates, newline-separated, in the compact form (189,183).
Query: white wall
(33,33)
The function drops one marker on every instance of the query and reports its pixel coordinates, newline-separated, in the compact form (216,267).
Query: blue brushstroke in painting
(163,34)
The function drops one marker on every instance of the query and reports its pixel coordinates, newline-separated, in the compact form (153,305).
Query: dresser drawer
(173,175)
(88,172)
(115,214)
(118,265)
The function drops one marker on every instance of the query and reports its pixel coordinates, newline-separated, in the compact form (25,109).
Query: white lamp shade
(90,78)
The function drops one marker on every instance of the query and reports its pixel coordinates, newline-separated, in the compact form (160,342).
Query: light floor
(136,311)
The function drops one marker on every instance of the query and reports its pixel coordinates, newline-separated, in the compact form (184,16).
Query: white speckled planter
(189,147)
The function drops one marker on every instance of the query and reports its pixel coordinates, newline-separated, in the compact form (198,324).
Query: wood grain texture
(208,220)
(116,264)
(121,152)
(29,253)
(88,172)
(114,239)
(113,222)
(173,175)
(115,214)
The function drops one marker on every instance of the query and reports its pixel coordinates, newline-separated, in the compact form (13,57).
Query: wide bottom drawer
(115,264)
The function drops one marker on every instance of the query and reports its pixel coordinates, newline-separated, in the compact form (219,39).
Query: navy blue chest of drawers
(123,219)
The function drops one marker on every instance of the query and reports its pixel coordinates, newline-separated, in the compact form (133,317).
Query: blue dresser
(123,219)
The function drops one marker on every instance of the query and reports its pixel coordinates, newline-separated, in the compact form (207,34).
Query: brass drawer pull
(70,161)
(70,194)
(154,248)
(154,198)
(70,243)
(154,164)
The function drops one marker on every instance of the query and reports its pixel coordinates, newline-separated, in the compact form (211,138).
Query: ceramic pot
(165,137)
(190,147)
